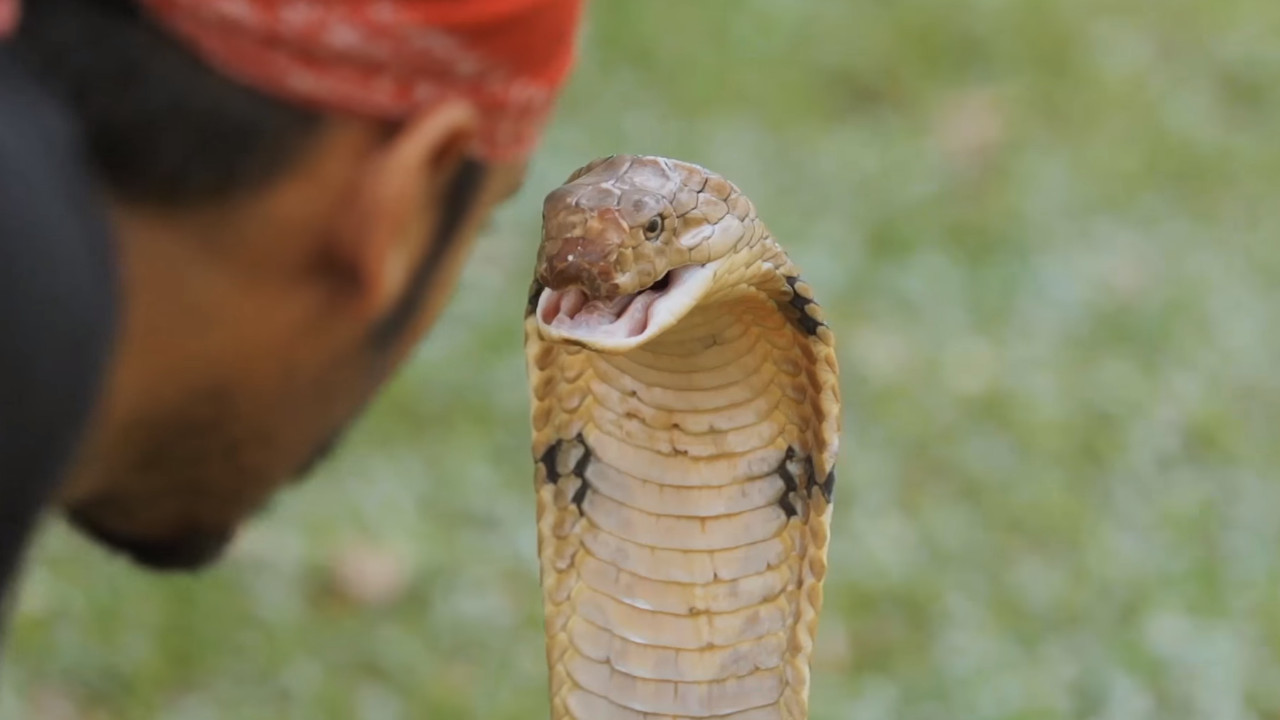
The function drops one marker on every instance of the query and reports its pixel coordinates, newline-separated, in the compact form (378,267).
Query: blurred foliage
(1044,235)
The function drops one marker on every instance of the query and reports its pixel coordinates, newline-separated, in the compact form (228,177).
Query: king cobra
(686,422)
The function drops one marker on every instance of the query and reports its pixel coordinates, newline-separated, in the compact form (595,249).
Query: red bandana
(8,17)
(388,58)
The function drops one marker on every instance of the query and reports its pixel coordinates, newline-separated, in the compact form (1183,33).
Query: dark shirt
(57,306)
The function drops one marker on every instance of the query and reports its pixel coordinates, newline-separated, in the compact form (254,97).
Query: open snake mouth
(627,320)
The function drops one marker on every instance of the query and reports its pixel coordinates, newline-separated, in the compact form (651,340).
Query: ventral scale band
(685,411)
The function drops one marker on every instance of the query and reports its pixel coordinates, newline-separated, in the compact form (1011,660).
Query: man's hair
(161,127)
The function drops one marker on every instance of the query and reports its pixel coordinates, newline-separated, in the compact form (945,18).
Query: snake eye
(653,228)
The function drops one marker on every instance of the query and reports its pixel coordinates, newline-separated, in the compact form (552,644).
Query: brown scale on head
(628,240)
(614,227)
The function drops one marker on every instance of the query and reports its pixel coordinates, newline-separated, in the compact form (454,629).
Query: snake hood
(685,415)
(630,244)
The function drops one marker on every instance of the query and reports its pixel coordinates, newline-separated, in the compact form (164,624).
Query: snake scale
(686,420)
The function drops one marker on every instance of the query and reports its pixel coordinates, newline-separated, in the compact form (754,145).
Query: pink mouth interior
(623,317)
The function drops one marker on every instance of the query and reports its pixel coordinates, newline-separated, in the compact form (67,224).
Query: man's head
(289,222)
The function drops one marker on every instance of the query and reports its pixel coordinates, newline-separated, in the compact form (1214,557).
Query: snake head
(629,245)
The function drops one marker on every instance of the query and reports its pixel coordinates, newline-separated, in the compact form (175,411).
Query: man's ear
(405,188)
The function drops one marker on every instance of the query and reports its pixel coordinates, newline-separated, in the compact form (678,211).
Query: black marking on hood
(828,486)
(548,460)
(535,291)
(790,485)
(580,470)
(801,304)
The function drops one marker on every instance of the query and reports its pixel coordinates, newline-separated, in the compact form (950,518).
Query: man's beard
(173,487)
(197,460)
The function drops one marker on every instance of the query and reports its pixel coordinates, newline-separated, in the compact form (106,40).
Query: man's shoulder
(57,302)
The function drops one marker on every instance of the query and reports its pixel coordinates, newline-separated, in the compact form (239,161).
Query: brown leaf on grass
(1127,274)
(369,575)
(51,703)
(970,127)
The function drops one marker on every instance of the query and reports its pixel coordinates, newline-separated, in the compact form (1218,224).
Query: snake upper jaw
(626,322)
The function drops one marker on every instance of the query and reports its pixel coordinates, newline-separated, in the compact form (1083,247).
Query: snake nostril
(579,262)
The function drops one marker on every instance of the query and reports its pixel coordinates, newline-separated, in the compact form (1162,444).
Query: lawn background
(1045,236)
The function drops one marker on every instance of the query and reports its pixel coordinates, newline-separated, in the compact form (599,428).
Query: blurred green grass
(1043,233)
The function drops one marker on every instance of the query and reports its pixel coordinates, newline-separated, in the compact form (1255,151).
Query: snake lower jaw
(623,323)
